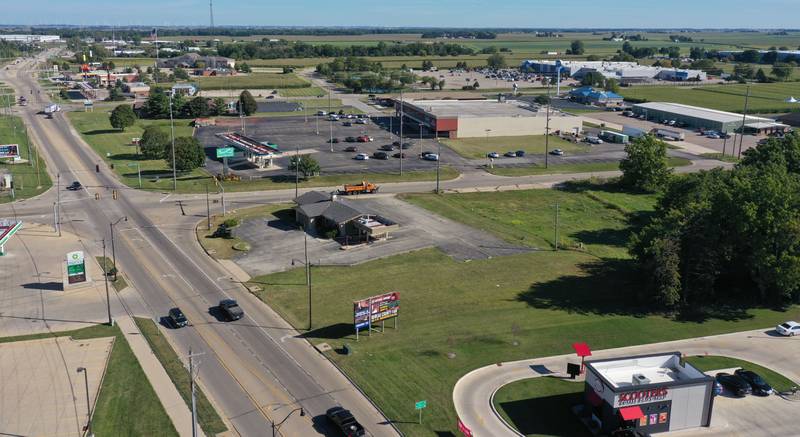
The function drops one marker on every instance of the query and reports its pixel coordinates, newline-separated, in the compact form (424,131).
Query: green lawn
(252,81)
(573,168)
(457,316)
(764,98)
(721,157)
(30,179)
(712,362)
(127,404)
(207,416)
(541,406)
(478,147)
(120,283)
(311,91)
(223,248)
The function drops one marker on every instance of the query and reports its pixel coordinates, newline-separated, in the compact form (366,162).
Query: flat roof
(480,108)
(655,368)
(699,112)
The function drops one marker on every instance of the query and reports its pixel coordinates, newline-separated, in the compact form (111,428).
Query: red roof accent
(631,413)
(582,349)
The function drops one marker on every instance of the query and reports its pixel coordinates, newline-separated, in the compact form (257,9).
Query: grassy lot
(311,91)
(764,98)
(252,81)
(721,157)
(119,284)
(30,179)
(588,167)
(478,147)
(223,248)
(712,362)
(457,316)
(207,416)
(548,412)
(127,404)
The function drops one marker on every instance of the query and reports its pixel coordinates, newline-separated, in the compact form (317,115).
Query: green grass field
(588,167)
(311,91)
(457,316)
(127,404)
(252,81)
(478,147)
(107,266)
(764,98)
(30,179)
(207,416)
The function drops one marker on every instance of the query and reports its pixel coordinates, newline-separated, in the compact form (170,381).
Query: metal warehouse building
(649,393)
(478,118)
(697,117)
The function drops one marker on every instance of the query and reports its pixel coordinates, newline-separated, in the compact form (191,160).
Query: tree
(180,73)
(576,47)
(197,107)
(115,95)
(244,67)
(218,106)
(611,85)
(122,116)
(154,142)
(442,84)
(697,53)
(593,58)
(157,104)
(745,71)
(645,166)
(761,77)
(783,71)
(247,104)
(188,154)
(496,61)
(427,65)
(308,166)
(593,78)
(542,99)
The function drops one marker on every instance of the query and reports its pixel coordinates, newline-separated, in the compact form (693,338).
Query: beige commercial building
(477,118)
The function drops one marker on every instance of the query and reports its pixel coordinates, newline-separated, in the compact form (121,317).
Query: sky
(761,14)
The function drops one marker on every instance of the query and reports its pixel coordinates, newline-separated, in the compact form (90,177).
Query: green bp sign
(76,267)
(225,152)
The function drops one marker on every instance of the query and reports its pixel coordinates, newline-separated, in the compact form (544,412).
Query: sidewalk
(172,401)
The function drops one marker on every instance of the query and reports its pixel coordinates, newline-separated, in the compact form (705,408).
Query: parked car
(177,318)
(593,140)
(350,139)
(759,386)
(407,146)
(231,310)
(789,329)
(494,155)
(347,123)
(387,147)
(364,139)
(380,155)
(557,152)
(344,420)
(361,157)
(520,153)
(510,154)
(735,384)
(270,97)
(75,186)
(430,157)
(396,144)
(322,113)
(333,140)
(351,149)
(713,136)
(362,121)
(400,154)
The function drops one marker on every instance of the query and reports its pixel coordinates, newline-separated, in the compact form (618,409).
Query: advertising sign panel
(225,152)
(76,267)
(642,397)
(9,150)
(375,309)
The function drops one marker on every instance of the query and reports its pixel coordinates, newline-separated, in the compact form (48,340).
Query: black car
(344,420)
(75,186)
(520,153)
(380,155)
(350,139)
(735,384)
(407,146)
(230,310)
(400,154)
(347,123)
(760,387)
(177,318)
(333,140)
(351,149)
(388,147)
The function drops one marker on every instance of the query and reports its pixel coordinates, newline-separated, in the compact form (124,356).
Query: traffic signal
(97,168)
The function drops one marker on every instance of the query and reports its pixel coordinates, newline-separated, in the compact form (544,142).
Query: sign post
(419,406)
(375,309)
(76,267)
(225,153)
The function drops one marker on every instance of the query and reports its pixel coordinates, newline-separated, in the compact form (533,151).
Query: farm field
(764,98)
(523,311)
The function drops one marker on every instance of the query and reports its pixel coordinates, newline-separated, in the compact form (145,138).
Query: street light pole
(402,105)
(439,153)
(308,275)
(744,120)
(105,276)
(172,129)
(276,427)
(297,168)
(547,135)
(88,404)
(113,251)
(208,209)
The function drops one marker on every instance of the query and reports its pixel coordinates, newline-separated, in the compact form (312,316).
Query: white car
(322,113)
(361,157)
(361,121)
(789,329)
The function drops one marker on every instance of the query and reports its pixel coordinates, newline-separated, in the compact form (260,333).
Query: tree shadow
(607,237)
(102,131)
(127,157)
(331,332)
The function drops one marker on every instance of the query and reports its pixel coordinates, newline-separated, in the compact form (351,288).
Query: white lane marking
(164,198)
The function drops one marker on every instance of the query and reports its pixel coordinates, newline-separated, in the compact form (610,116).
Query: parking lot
(312,135)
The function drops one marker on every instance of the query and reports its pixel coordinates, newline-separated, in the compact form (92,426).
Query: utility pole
(58,204)
(402,105)
(297,169)
(208,209)
(105,276)
(192,376)
(556,227)
(308,275)
(547,129)
(172,128)
(113,251)
(88,404)
(744,120)
(438,161)
(330,119)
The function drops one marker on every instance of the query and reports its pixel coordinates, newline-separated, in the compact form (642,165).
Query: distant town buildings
(623,72)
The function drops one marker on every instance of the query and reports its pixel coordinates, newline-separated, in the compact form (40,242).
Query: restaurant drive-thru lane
(247,370)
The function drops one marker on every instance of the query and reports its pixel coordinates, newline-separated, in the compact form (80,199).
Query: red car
(364,139)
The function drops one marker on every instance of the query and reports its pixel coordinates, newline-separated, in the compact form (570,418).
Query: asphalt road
(257,369)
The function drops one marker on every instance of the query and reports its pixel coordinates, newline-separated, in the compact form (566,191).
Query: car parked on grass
(75,186)
(494,155)
(230,310)
(380,155)
(361,157)
(510,154)
(759,386)
(351,149)
(734,384)
(557,152)
(345,421)
(520,153)
(789,329)
(177,318)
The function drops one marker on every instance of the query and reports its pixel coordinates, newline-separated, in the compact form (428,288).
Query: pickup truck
(344,420)
(230,310)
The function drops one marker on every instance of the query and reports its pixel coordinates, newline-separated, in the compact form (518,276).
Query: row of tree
(266,49)
(720,235)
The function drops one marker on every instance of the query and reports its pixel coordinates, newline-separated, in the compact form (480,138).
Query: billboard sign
(639,397)
(9,150)
(76,267)
(225,152)
(375,309)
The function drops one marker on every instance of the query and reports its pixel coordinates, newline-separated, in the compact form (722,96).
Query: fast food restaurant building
(649,393)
